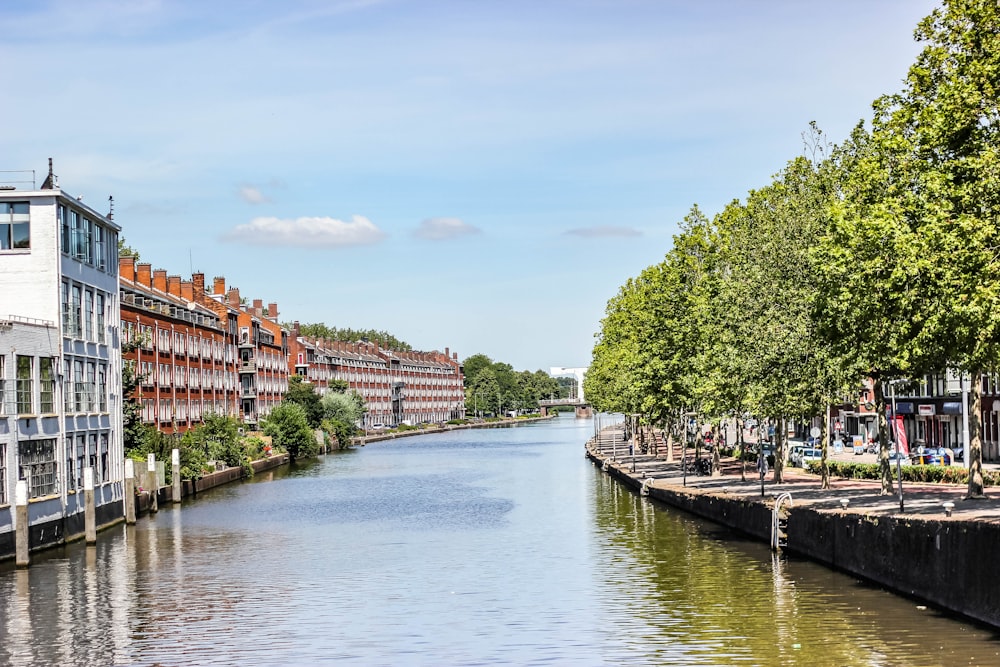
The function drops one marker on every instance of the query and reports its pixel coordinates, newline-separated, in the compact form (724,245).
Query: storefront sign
(951,408)
(925,410)
(904,408)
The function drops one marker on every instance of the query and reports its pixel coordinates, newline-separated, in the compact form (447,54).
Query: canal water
(484,547)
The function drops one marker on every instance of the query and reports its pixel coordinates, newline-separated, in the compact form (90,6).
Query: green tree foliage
(320,330)
(125,250)
(345,407)
(304,394)
(941,135)
(497,383)
(288,427)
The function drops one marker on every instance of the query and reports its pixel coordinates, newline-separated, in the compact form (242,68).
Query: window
(91,386)
(88,315)
(100,317)
(3,392)
(69,404)
(70,468)
(38,466)
(76,233)
(79,386)
(65,236)
(24,388)
(87,234)
(14,226)
(81,457)
(104,457)
(74,328)
(92,457)
(99,250)
(102,388)
(47,370)
(3,473)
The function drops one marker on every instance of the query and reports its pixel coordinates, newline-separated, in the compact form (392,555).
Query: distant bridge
(583,408)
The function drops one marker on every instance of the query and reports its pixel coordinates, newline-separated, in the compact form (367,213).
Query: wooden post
(89,510)
(151,482)
(21,545)
(129,491)
(175,473)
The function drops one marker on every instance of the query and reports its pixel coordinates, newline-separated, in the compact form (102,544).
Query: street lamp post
(895,440)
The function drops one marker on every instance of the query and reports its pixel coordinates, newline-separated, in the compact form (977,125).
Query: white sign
(88,479)
(925,410)
(814,431)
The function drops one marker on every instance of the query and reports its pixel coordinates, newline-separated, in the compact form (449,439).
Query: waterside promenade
(934,552)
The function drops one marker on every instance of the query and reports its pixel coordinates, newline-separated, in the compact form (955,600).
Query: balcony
(249,366)
(248,392)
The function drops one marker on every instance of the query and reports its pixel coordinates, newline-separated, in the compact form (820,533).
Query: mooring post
(89,511)
(175,474)
(151,482)
(21,546)
(129,491)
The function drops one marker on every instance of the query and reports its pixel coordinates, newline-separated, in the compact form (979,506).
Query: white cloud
(604,231)
(252,195)
(307,232)
(440,229)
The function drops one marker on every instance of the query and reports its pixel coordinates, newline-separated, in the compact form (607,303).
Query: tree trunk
(739,448)
(975,454)
(670,443)
(779,451)
(716,457)
(824,469)
(883,436)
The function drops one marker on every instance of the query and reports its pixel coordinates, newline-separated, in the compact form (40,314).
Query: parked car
(810,454)
(934,456)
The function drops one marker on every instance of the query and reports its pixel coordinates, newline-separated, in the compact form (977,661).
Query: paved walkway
(925,501)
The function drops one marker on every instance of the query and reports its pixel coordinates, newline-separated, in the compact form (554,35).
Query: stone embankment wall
(947,562)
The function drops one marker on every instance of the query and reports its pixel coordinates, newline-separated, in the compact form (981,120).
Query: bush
(919,473)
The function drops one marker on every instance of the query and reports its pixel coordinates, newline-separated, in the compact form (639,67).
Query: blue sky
(482,176)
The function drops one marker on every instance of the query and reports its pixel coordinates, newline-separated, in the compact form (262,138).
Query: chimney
(187,290)
(174,285)
(126,268)
(160,279)
(258,304)
(447,352)
(198,279)
(272,311)
(295,328)
(219,287)
(144,274)
(51,182)
(234,297)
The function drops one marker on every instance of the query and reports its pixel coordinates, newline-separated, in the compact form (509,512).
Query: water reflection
(488,547)
(713,597)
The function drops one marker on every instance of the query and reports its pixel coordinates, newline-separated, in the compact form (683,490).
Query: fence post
(175,472)
(129,491)
(151,482)
(21,546)
(89,511)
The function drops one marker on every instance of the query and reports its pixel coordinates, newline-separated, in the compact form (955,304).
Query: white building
(60,362)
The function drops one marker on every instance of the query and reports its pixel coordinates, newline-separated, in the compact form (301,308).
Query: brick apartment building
(397,386)
(199,350)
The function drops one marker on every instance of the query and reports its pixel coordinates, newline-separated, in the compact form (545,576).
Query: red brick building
(397,386)
(199,351)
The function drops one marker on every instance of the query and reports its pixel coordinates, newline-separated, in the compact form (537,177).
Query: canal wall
(502,423)
(945,562)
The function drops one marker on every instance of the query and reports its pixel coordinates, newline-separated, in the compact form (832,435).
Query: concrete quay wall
(947,562)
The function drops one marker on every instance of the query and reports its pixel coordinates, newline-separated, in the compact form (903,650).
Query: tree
(943,133)
(289,429)
(484,393)
(304,394)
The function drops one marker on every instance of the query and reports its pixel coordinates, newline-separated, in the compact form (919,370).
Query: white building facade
(60,362)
